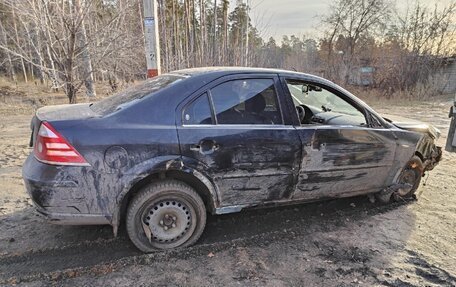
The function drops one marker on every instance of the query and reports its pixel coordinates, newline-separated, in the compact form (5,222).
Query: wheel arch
(200,183)
(420,155)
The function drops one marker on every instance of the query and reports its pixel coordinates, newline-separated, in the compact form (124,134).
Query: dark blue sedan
(162,154)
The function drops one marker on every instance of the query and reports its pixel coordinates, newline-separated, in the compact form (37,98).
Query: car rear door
(235,132)
(341,157)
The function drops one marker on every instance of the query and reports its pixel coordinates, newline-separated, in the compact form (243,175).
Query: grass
(26,98)
(377,98)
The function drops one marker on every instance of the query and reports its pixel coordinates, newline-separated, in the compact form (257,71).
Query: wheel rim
(409,176)
(170,222)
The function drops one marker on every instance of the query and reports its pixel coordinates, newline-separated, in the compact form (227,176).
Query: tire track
(256,227)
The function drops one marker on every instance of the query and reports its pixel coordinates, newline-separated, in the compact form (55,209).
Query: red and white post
(152,42)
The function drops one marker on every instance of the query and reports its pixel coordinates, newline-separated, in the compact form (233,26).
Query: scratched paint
(239,166)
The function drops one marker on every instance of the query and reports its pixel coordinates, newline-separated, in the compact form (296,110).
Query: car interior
(316,105)
(249,101)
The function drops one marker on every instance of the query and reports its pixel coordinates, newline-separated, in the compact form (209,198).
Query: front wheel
(165,215)
(410,175)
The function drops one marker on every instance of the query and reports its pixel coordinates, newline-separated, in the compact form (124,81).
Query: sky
(288,17)
(300,17)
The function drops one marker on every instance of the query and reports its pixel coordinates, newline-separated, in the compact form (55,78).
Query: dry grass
(419,95)
(24,98)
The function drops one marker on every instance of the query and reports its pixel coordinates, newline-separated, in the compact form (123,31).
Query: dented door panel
(251,164)
(341,160)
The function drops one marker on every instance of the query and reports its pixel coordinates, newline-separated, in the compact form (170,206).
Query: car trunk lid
(65,112)
(59,113)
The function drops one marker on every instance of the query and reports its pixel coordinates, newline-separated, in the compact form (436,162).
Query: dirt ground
(348,242)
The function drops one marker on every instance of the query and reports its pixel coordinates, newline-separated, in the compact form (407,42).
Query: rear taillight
(52,148)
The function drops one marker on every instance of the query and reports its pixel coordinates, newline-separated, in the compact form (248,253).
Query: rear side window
(135,93)
(198,112)
(246,101)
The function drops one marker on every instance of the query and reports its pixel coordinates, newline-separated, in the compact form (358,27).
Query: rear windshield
(135,93)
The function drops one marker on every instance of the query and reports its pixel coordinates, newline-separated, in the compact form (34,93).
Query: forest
(73,45)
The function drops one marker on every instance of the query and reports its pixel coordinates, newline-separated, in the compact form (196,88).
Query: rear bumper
(56,194)
(72,218)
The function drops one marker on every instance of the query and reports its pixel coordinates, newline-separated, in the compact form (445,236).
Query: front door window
(322,106)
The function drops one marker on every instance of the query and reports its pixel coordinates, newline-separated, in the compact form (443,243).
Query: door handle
(195,147)
(205,147)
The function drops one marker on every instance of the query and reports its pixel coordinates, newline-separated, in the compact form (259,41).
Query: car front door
(344,153)
(236,133)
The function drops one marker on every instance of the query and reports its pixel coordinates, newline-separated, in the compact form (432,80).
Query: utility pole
(151,38)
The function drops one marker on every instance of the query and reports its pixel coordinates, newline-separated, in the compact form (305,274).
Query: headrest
(256,104)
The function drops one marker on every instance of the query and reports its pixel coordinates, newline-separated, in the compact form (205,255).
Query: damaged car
(162,154)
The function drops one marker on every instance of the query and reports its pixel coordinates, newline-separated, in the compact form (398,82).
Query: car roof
(227,69)
(212,73)
(222,71)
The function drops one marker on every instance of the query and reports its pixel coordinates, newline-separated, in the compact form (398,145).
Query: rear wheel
(165,215)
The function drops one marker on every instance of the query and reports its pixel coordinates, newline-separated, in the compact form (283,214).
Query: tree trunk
(48,42)
(86,69)
(246,60)
(177,36)
(214,39)
(194,38)
(164,33)
(71,92)
(225,32)
(24,71)
(10,62)
(186,33)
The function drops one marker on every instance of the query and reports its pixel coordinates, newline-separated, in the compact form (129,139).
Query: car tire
(165,215)
(411,174)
